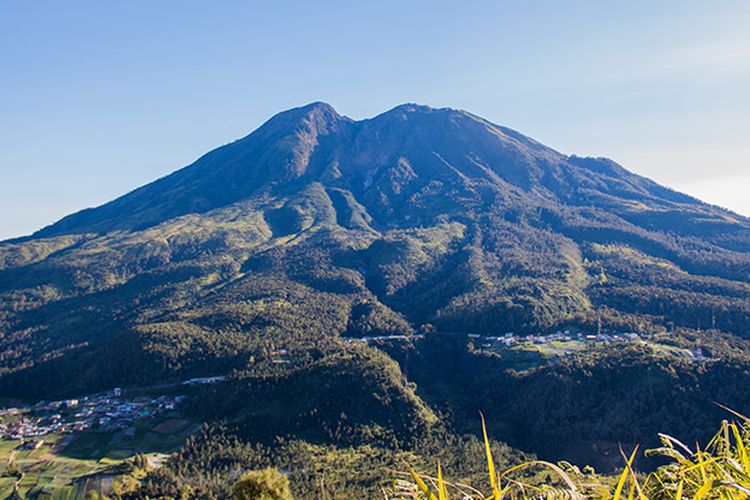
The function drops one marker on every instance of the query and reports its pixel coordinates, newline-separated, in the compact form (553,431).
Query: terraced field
(66,466)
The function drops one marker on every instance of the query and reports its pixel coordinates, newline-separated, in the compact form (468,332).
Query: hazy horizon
(100,99)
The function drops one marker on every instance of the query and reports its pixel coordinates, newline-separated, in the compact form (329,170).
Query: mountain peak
(319,114)
(411,107)
(318,108)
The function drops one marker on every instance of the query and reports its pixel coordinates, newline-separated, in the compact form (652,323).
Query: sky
(99,97)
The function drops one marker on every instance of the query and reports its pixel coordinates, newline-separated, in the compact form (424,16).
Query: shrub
(265,484)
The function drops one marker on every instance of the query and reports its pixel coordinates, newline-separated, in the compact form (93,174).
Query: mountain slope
(316,226)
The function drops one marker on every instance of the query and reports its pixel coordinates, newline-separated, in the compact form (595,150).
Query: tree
(265,484)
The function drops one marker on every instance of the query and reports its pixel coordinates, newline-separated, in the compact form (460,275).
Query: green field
(528,355)
(66,467)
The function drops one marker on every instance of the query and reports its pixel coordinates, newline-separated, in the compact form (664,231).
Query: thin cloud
(724,56)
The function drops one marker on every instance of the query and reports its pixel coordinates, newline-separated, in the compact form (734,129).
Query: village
(109,411)
(512,340)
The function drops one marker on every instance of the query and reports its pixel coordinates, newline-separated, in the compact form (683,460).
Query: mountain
(416,216)
(317,227)
(452,162)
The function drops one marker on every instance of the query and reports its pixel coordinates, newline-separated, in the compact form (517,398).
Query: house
(203,380)
(31,445)
(78,426)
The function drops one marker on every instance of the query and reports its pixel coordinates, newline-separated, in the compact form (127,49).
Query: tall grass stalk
(719,471)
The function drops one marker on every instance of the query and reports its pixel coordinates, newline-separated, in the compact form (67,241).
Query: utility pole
(713,319)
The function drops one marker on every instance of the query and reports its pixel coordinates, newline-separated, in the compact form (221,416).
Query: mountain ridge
(302,130)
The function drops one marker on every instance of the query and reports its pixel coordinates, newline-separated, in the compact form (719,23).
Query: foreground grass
(719,471)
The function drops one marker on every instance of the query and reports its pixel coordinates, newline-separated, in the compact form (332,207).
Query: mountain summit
(410,151)
(316,227)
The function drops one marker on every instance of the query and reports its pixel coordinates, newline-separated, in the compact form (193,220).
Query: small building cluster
(203,380)
(511,339)
(367,340)
(106,412)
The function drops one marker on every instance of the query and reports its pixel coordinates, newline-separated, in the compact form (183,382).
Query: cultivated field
(67,466)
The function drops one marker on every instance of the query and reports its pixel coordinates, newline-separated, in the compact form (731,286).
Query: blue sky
(98,97)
